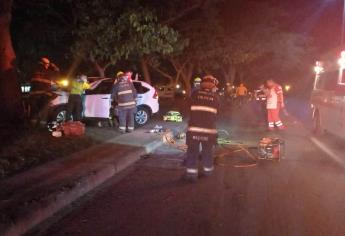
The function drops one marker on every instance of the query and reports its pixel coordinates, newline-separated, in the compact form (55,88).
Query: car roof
(134,81)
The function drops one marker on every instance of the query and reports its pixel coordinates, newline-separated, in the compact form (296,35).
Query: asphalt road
(301,195)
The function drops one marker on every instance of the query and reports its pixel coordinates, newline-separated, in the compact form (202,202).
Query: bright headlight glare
(63,82)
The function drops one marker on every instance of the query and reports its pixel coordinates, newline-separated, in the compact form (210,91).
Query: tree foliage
(42,28)
(229,38)
(106,36)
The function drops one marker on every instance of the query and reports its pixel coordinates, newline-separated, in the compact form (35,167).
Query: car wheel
(317,127)
(59,114)
(142,116)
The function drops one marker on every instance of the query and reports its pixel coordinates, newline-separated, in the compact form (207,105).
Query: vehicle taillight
(155,95)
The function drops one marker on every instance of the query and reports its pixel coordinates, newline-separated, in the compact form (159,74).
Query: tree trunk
(232,75)
(10,95)
(187,77)
(145,70)
(100,69)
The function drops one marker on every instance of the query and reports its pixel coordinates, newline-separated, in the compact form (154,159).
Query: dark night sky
(320,19)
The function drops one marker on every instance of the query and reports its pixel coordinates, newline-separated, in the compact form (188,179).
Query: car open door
(141,92)
(98,100)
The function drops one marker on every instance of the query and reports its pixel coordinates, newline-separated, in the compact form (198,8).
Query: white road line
(328,151)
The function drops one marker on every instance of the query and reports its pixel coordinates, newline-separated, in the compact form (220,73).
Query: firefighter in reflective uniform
(202,128)
(275,102)
(196,84)
(124,94)
(119,74)
(41,94)
(75,103)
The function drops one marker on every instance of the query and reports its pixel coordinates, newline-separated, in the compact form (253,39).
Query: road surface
(301,195)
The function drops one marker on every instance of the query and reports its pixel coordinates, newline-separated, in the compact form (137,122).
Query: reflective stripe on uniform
(131,128)
(122,128)
(191,171)
(208,169)
(126,104)
(125,92)
(47,81)
(202,130)
(279,123)
(204,108)
(271,124)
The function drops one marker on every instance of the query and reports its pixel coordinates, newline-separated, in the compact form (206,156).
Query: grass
(24,148)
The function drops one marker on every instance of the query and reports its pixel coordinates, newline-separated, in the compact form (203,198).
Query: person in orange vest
(275,102)
(241,94)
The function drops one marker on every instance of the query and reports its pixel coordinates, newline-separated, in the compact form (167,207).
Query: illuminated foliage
(106,35)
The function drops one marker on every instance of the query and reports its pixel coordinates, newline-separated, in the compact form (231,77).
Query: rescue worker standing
(241,94)
(119,74)
(124,94)
(275,102)
(196,84)
(75,103)
(202,128)
(42,83)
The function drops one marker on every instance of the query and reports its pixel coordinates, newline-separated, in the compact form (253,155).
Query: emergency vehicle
(328,99)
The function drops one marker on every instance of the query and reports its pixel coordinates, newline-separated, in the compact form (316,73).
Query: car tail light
(155,95)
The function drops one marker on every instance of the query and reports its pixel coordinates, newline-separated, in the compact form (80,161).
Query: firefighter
(202,128)
(119,74)
(196,84)
(124,94)
(75,103)
(42,83)
(275,102)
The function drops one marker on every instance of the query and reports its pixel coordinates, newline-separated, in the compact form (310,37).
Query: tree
(106,35)
(229,45)
(10,97)
(42,28)
(200,31)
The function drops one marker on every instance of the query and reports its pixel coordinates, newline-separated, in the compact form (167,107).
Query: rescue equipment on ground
(181,135)
(73,128)
(54,126)
(173,116)
(271,149)
(168,138)
(223,141)
(57,134)
(157,129)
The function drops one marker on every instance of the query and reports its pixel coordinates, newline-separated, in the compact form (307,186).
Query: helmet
(119,74)
(197,80)
(45,60)
(209,82)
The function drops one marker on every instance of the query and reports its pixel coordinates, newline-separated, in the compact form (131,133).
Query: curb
(38,210)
